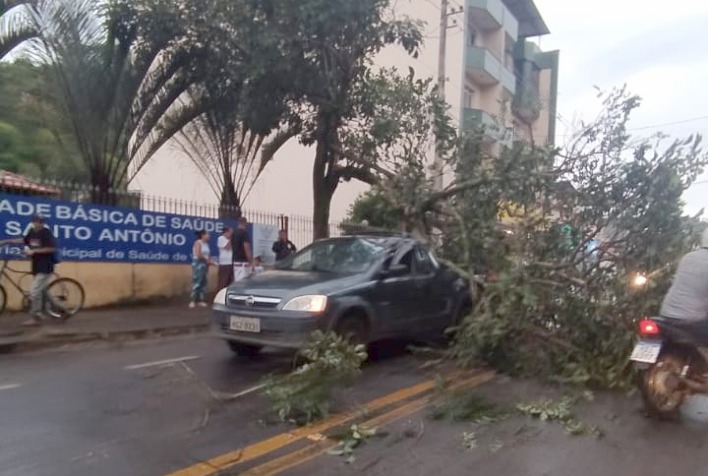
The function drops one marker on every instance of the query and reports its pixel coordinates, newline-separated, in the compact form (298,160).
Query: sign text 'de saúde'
(102,233)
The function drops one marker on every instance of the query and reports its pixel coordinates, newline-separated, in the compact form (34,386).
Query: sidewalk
(109,324)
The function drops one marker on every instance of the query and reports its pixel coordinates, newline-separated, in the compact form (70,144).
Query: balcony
(486,70)
(489,15)
(492,130)
(486,14)
(526,50)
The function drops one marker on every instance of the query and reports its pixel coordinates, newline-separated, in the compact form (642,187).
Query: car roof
(385,239)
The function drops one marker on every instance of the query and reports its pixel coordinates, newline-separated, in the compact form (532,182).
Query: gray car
(367,287)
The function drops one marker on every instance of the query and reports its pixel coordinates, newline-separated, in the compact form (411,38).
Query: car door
(438,298)
(429,304)
(395,296)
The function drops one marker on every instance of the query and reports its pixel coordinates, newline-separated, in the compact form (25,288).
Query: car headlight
(314,303)
(220,297)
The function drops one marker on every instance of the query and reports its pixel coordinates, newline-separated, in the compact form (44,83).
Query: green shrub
(304,395)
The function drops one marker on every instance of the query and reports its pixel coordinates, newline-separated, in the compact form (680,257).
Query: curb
(40,341)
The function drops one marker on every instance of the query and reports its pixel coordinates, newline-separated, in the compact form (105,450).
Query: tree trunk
(102,192)
(230,203)
(322,195)
(324,178)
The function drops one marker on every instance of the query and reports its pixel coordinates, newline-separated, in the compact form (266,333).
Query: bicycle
(64,297)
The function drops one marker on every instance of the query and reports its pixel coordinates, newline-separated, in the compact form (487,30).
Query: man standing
(40,246)
(226,258)
(242,253)
(283,247)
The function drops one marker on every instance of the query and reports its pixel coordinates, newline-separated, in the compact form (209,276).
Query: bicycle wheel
(3,299)
(66,298)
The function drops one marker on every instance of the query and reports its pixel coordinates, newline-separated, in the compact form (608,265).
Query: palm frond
(280,138)
(226,152)
(16,25)
(121,95)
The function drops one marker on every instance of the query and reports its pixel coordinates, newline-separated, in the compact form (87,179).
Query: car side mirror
(395,271)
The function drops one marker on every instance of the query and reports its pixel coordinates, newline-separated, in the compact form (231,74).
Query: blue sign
(102,233)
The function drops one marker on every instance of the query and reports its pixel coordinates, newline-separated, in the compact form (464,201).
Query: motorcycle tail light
(647,327)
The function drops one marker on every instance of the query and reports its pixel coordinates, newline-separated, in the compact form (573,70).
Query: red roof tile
(14,182)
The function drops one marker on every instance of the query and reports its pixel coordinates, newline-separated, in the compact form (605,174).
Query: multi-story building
(509,84)
(496,74)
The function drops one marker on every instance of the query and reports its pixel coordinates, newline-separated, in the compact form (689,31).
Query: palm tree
(230,155)
(119,88)
(15,24)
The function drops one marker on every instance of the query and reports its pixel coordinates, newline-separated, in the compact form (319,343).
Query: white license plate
(245,324)
(646,352)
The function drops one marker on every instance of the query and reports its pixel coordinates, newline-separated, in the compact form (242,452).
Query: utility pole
(445,13)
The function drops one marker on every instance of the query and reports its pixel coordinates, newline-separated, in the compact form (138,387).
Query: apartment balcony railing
(492,129)
(492,15)
(486,69)
(488,14)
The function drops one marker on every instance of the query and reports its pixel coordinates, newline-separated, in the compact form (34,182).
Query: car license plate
(646,352)
(245,324)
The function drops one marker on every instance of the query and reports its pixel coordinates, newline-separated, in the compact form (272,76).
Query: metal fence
(300,228)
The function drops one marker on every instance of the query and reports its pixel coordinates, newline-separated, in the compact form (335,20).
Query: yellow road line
(311,451)
(276,442)
(303,455)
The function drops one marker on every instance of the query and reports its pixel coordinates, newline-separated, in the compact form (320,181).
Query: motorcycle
(671,359)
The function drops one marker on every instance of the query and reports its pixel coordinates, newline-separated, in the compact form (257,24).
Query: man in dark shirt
(283,247)
(40,246)
(242,252)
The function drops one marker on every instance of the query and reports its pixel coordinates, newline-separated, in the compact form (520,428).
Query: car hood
(284,284)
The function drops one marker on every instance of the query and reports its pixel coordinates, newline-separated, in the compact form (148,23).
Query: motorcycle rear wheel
(661,391)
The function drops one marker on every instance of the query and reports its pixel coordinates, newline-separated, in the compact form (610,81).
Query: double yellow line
(319,443)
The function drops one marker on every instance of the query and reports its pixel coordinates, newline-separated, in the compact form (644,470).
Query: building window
(468,98)
(509,53)
(471,34)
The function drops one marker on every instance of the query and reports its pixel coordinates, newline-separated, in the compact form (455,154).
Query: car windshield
(341,256)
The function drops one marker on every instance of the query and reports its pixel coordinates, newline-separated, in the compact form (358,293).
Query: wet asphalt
(121,410)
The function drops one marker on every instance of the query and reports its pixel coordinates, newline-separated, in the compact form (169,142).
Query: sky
(658,48)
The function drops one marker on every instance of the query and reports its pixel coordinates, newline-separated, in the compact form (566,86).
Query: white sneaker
(192,305)
(203,304)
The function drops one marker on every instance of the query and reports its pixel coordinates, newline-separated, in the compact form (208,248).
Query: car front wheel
(354,329)
(244,350)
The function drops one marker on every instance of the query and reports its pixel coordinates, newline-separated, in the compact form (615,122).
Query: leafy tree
(555,310)
(373,208)
(13,149)
(331,44)
(35,141)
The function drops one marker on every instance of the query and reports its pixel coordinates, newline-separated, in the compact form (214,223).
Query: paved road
(146,409)
(631,445)
(120,411)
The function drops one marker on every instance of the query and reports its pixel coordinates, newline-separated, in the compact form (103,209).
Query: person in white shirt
(226,258)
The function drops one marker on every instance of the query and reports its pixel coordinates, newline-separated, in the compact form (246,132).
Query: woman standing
(201,260)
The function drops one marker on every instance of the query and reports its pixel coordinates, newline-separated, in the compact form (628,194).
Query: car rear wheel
(244,350)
